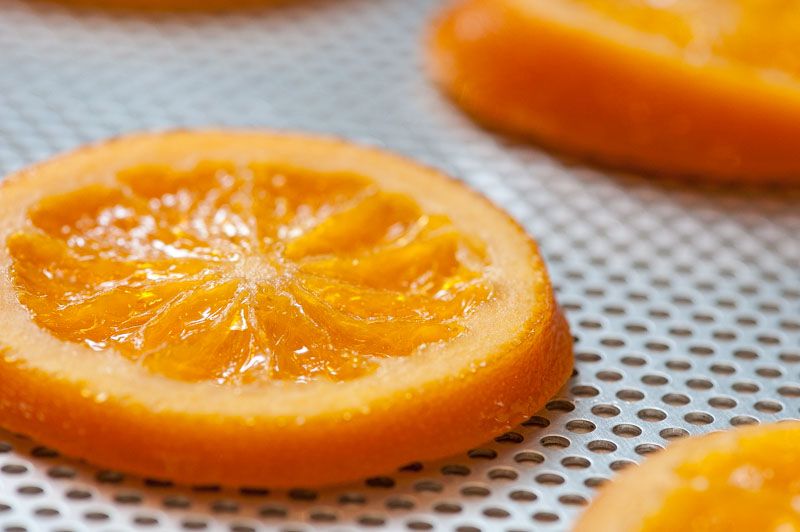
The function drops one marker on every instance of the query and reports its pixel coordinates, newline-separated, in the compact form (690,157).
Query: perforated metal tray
(684,300)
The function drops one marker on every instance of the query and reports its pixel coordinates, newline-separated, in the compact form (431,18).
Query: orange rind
(700,89)
(743,479)
(258,308)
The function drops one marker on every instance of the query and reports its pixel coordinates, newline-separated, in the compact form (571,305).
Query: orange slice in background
(743,479)
(704,88)
(265,309)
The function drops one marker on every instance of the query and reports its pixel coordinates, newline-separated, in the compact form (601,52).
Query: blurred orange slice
(744,479)
(709,88)
(256,308)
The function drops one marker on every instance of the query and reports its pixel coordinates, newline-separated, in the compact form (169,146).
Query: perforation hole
(768,407)
(630,395)
(502,473)
(529,457)
(647,448)
(580,426)
(699,418)
(601,446)
(673,433)
(605,410)
(555,441)
(575,462)
(625,430)
(522,496)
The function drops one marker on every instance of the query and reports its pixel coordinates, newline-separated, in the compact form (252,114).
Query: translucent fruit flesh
(752,486)
(240,275)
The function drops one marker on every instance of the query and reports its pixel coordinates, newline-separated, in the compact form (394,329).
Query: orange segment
(277,296)
(709,88)
(745,479)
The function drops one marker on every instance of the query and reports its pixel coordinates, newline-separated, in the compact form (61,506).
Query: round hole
(654,380)
(722,369)
(78,495)
(630,395)
(587,357)
(675,399)
(745,354)
(555,441)
(224,507)
(619,465)
(545,517)
(560,405)
(482,453)
(580,426)
(373,482)
(322,516)
(605,410)
(699,384)
(769,407)
(651,414)
(455,470)
(14,469)
(737,421)
(601,446)
(496,513)
(303,494)
(428,486)
(699,418)
(633,361)
(609,376)
(395,503)
(722,402)
(502,473)
(769,373)
(537,421)
(594,482)
(673,433)
(573,500)
(419,525)
(522,496)
(585,391)
(475,491)
(30,490)
(276,512)
(626,430)
(745,387)
(789,391)
(678,365)
(447,508)
(647,448)
(575,462)
(529,456)
(510,437)
(549,479)
(46,512)
(371,520)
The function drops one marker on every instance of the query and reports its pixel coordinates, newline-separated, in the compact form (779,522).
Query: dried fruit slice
(706,88)
(743,479)
(265,309)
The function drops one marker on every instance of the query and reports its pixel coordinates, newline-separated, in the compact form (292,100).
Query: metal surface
(684,300)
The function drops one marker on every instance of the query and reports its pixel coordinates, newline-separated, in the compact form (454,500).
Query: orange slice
(744,479)
(707,88)
(256,308)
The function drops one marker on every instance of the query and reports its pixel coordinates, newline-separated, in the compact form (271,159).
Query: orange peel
(265,309)
(743,479)
(708,90)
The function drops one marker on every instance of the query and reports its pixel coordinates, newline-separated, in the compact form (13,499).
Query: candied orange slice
(256,308)
(743,479)
(703,88)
